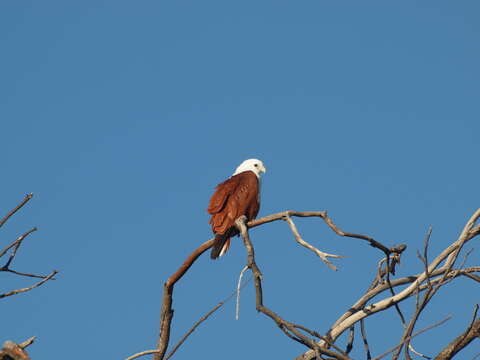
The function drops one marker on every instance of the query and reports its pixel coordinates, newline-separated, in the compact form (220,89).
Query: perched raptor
(238,195)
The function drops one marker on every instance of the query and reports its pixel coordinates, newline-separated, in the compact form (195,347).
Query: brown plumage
(237,196)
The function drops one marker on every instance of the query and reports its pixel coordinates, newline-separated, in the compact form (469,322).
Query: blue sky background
(122,116)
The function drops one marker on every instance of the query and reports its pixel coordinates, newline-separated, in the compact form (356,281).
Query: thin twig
(410,347)
(237,309)
(364,337)
(26,274)
(143,353)
(379,275)
(359,310)
(418,306)
(16,244)
(322,255)
(414,335)
(425,254)
(14,210)
(202,319)
(392,292)
(317,335)
(18,291)
(167,311)
(189,332)
(288,328)
(433,290)
(351,337)
(323,215)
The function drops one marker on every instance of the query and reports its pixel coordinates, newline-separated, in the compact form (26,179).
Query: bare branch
(424,259)
(16,244)
(410,347)
(392,292)
(288,328)
(237,310)
(419,306)
(407,292)
(189,332)
(434,275)
(26,274)
(18,291)
(323,215)
(472,332)
(414,335)
(14,210)
(143,353)
(364,338)
(322,255)
(360,311)
(475,231)
(166,313)
(351,337)
(189,262)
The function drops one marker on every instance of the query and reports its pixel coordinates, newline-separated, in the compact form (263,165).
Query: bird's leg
(240,222)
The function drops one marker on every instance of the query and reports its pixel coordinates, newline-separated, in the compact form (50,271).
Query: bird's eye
(256,165)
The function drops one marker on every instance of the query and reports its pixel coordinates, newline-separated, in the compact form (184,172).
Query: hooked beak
(264,169)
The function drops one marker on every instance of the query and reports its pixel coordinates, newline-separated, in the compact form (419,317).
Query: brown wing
(233,198)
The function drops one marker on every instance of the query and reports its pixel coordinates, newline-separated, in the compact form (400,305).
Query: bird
(237,196)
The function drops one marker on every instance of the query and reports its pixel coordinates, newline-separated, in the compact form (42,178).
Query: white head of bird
(254,165)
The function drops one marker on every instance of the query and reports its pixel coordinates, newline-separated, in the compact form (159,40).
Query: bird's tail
(220,245)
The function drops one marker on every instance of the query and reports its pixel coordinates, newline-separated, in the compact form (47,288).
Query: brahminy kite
(238,195)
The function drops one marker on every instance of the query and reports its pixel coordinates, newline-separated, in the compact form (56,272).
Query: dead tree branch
(11,350)
(189,332)
(322,255)
(40,283)
(472,332)
(288,328)
(434,276)
(412,336)
(14,247)
(360,310)
(143,353)
(15,209)
(166,313)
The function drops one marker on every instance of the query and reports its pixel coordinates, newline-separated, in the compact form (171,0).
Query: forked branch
(166,313)
(420,282)
(472,332)
(13,248)
(434,275)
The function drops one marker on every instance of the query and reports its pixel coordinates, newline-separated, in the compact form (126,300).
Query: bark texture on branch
(460,342)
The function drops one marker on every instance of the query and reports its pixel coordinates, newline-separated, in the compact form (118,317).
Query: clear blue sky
(122,116)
